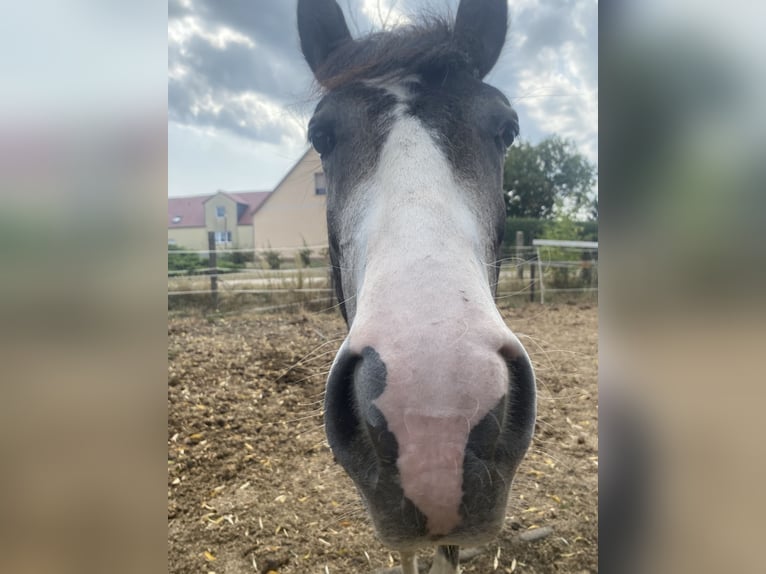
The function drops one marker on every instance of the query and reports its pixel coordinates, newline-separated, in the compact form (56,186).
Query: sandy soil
(252,487)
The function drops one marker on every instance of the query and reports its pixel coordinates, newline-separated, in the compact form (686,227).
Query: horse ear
(322,29)
(480,27)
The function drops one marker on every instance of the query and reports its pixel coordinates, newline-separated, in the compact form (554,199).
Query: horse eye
(508,132)
(323,140)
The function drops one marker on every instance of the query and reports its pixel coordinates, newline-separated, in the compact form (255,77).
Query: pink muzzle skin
(444,374)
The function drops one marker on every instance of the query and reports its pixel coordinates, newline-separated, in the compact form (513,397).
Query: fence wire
(534,273)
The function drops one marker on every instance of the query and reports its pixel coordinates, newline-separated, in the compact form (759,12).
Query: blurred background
(682,282)
(83,171)
(83,184)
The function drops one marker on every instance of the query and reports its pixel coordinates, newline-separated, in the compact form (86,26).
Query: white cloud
(261,112)
(553,54)
(236,75)
(181,30)
(384,13)
(557,95)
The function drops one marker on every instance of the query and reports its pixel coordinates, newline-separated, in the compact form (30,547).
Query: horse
(430,402)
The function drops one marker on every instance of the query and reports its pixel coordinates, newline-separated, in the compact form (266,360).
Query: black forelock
(420,49)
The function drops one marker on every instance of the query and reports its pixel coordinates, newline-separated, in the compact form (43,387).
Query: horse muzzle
(431,422)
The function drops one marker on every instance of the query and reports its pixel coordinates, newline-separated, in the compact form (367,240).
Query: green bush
(589,231)
(228,262)
(576,275)
(305,255)
(189,262)
(272,258)
(243,257)
(540,228)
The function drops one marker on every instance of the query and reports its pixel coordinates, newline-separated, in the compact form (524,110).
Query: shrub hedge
(534,229)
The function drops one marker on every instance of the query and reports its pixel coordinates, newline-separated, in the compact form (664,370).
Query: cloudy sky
(240,94)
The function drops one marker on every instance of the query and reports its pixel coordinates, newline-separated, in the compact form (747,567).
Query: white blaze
(425,305)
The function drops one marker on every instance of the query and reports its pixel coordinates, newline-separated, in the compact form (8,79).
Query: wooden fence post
(520,255)
(540,272)
(213,265)
(532,267)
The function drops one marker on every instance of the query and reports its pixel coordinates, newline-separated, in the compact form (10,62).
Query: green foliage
(242,257)
(193,264)
(593,209)
(229,262)
(305,254)
(562,227)
(189,262)
(588,231)
(539,229)
(537,178)
(565,227)
(272,258)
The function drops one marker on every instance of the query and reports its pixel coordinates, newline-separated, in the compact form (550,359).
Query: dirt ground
(252,487)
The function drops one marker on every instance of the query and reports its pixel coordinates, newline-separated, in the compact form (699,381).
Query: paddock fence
(223,278)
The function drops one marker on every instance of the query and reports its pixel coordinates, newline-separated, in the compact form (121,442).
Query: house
(228,215)
(291,215)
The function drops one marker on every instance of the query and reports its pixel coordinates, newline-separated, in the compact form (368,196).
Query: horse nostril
(522,394)
(356,429)
(341,422)
(505,432)
(352,420)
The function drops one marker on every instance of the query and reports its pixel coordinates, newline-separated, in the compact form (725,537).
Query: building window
(177,219)
(220,211)
(171,241)
(222,237)
(320,184)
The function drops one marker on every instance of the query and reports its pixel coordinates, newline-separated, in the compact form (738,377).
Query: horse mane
(425,48)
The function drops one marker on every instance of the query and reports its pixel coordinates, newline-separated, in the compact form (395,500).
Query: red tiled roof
(253,200)
(191,210)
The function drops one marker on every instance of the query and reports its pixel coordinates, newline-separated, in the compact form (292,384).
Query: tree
(536,177)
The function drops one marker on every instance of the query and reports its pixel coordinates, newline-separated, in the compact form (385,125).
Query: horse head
(430,403)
